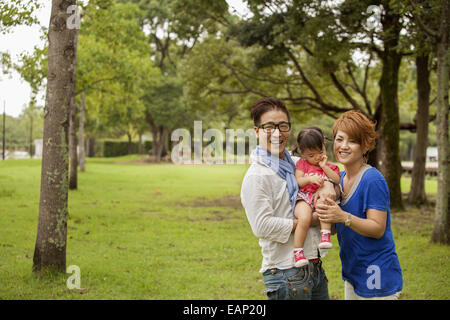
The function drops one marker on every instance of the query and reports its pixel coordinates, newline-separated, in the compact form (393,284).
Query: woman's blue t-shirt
(370,265)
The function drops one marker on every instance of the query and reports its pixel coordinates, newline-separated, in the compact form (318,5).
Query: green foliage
(117,148)
(212,66)
(121,148)
(16,136)
(208,77)
(33,68)
(5,62)
(17,12)
(163,103)
(174,27)
(17,132)
(14,13)
(183,20)
(284,50)
(114,63)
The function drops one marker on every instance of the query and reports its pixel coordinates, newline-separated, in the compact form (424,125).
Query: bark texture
(417,194)
(50,249)
(441,230)
(81,141)
(390,120)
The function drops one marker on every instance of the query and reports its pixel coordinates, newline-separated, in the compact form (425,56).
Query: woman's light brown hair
(358,127)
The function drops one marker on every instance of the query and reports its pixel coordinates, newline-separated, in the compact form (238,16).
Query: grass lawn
(140,231)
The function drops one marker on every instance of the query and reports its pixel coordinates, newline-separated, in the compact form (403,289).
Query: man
(268,195)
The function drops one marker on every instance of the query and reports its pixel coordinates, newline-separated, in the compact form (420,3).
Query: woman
(268,195)
(370,266)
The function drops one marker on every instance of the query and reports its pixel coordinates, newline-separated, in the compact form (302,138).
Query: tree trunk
(91,146)
(130,143)
(160,135)
(165,141)
(160,138)
(50,249)
(3,131)
(140,144)
(375,154)
(417,194)
(81,143)
(31,137)
(390,120)
(73,179)
(441,230)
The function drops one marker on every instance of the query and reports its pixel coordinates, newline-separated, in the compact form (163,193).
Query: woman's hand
(326,191)
(373,226)
(329,212)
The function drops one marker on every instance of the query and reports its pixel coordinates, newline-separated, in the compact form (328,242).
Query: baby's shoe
(325,242)
(300,259)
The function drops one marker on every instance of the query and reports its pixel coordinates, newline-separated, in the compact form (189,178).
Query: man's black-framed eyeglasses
(270,127)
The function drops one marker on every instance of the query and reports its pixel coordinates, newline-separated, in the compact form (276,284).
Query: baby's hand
(316,180)
(324,161)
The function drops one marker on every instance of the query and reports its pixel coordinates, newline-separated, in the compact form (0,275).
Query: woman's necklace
(349,181)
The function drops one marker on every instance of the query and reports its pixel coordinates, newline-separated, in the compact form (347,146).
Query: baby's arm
(333,175)
(303,181)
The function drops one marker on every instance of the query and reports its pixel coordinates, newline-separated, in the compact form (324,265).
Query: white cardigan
(265,198)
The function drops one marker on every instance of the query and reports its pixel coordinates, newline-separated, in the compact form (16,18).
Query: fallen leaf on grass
(80,291)
(122,248)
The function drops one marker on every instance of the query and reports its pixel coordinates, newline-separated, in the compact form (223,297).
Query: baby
(311,172)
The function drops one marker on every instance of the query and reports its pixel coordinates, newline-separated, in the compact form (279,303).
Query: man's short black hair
(264,105)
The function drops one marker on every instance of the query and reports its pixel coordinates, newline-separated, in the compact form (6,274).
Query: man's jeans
(305,283)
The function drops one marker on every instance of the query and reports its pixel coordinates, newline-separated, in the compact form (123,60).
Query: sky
(15,93)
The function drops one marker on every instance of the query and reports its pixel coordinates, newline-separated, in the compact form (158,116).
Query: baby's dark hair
(310,138)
